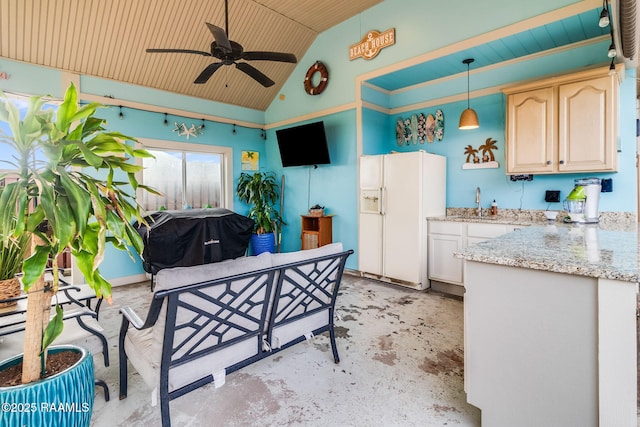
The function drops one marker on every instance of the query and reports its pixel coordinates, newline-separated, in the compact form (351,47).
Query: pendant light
(468,118)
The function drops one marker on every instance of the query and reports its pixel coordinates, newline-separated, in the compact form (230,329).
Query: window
(193,177)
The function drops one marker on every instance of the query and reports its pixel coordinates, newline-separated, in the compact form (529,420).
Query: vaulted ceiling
(108,39)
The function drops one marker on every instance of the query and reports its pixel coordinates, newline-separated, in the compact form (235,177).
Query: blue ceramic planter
(64,399)
(263,243)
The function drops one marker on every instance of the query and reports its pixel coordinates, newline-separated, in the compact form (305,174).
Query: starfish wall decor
(193,130)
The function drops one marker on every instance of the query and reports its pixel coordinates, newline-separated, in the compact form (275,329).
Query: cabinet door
(587,125)
(443,266)
(531,131)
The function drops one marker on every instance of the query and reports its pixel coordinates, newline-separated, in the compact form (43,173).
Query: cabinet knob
(562,162)
(548,162)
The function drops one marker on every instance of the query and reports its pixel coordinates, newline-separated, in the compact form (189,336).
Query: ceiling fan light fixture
(228,53)
(468,118)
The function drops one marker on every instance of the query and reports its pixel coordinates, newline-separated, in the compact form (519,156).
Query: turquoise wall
(333,186)
(494,183)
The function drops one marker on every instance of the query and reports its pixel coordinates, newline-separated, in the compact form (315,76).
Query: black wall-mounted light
(468,118)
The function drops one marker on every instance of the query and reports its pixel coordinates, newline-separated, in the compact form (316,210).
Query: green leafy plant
(260,191)
(12,252)
(75,189)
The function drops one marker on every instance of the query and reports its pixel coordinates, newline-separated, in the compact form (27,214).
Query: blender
(582,203)
(592,188)
(574,204)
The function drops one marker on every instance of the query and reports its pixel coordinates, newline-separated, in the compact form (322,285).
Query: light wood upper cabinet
(531,133)
(567,124)
(587,125)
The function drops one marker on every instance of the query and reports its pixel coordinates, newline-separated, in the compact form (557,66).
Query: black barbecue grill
(193,237)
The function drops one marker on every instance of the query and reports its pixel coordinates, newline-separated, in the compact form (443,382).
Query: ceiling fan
(230,52)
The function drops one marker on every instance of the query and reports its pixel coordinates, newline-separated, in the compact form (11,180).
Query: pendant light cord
(468,84)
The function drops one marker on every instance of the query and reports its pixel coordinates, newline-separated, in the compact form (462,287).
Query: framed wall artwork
(250,160)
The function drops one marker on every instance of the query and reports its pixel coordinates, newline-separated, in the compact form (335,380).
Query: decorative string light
(234,129)
(166,122)
(605,21)
(604,15)
(121,115)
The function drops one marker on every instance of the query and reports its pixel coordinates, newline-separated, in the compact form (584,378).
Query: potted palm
(76,190)
(260,192)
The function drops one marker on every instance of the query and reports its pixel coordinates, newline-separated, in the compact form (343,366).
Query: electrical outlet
(514,178)
(552,196)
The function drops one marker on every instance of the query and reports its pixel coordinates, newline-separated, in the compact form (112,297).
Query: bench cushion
(285,333)
(144,348)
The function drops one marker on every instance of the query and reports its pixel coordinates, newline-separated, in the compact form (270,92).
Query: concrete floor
(401,364)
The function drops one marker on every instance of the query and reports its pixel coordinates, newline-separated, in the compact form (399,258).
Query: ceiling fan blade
(198,52)
(207,73)
(254,73)
(222,40)
(269,56)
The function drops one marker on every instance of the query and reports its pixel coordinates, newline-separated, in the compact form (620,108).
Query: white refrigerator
(397,193)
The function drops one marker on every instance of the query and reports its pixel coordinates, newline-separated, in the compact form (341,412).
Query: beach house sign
(372,43)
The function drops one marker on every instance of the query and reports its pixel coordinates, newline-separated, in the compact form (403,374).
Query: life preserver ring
(318,67)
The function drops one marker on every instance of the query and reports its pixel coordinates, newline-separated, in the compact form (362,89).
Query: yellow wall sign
(372,43)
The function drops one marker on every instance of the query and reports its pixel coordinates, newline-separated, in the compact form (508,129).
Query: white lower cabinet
(447,237)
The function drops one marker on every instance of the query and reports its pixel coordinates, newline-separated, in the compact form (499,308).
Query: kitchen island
(550,326)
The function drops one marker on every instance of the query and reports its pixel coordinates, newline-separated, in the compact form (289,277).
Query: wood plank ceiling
(108,38)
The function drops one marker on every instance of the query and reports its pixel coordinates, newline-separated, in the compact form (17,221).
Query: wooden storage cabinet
(531,140)
(587,137)
(316,231)
(563,125)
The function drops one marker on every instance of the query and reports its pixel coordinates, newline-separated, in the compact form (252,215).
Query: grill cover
(193,237)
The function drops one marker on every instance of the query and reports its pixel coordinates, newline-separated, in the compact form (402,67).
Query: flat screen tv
(304,145)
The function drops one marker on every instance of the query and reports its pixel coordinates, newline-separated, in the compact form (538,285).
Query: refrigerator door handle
(383,200)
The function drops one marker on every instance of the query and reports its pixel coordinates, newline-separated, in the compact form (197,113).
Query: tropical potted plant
(260,191)
(75,189)
(12,252)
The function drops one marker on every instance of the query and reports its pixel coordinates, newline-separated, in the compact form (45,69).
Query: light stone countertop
(593,250)
(525,217)
(490,219)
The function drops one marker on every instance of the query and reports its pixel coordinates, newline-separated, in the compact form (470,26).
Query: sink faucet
(478,201)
